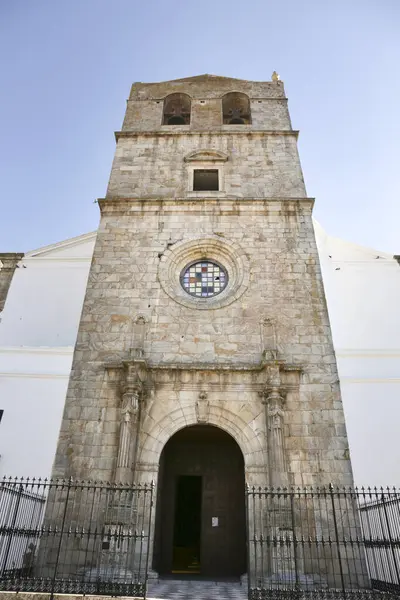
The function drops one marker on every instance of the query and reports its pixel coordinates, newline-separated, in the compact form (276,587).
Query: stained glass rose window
(204,279)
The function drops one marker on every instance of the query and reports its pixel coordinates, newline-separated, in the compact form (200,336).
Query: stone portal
(200,523)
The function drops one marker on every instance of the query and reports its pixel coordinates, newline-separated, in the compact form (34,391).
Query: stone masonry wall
(267,115)
(207,86)
(267,100)
(285,285)
(208,361)
(258,166)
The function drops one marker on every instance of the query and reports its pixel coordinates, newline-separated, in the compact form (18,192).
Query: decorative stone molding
(211,247)
(205,159)
(202,408)
(138,336)
(8,264)
(227,129)
(240,428)
(268,339)
(206,155)
(255,377)
(272,380)
(127,206)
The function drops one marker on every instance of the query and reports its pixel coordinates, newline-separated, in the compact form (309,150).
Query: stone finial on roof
(275,76)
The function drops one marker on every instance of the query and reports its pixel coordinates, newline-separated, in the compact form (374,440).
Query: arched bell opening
(200,510)
(236,109)
(177,108)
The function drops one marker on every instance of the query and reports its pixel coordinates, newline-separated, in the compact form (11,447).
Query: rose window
(204,279)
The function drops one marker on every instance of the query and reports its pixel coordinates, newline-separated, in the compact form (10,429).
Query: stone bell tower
(204,347)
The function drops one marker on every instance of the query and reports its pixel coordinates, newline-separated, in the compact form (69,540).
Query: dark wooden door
(213,455)
(223,516)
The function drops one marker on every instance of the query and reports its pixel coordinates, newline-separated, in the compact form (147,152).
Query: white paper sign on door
(214,521)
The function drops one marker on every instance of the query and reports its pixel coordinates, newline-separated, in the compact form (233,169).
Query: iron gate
(323,542)
(62,536)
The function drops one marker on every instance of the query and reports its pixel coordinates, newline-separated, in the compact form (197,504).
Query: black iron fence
(323,542)
(380,521)
(94,538)
(64,536)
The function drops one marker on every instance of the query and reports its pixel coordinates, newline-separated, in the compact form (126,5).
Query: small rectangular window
(1,414)
(205,180)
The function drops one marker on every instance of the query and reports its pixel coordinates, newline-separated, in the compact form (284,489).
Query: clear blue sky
(67,67)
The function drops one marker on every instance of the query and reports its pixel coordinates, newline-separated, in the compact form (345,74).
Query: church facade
(37,340)
(204,357)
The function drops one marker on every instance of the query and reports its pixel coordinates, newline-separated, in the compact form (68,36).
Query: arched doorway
(200,518)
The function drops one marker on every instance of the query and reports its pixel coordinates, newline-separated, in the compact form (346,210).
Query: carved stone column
(127,436)
(276,441)
(275,416)
(135,374)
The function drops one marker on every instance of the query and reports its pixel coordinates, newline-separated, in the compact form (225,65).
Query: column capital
(273,395)
(129,405)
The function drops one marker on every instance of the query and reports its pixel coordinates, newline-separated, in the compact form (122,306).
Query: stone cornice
(199,98)
(215,130)
(225,367)
(114,204)
(216,377)
(206,367)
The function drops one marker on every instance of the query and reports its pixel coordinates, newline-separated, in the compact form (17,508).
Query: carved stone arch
(236,109)
(177,108)
(244,434)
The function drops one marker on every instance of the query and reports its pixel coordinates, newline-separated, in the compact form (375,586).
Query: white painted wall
(363,296)
(39,325)
(38,330)
(33,385)
(45,299)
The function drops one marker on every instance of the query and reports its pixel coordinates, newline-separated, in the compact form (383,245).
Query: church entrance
(200,519)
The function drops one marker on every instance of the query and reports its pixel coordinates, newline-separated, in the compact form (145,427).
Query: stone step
(173,589)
